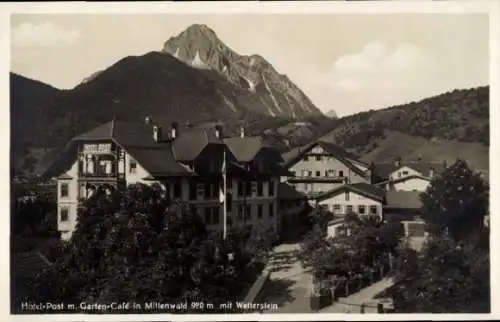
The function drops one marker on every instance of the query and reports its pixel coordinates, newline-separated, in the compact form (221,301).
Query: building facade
(361,198)
(409,176)
(322,166)
(187,165)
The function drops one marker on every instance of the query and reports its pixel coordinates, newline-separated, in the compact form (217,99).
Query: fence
(329,290)
(255,291)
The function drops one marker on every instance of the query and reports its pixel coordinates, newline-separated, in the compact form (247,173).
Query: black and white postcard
(230,160)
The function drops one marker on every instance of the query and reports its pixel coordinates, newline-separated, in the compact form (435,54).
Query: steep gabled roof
(398,180)
(188,145)
(245,148)
(134,137)
(158,162)
(363,189)
(164,157)
(338,152)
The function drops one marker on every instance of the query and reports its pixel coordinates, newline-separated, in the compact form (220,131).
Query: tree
(320,217)
(447,278)
(456,201)
(313,244)
(368,242)
(371,238)
(32,212)
(452,273)
(137,245)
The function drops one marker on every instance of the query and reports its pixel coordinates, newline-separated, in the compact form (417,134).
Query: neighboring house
(336,228)
(405,176)
(322,166)
(412,182)
(360,198)
(187,165)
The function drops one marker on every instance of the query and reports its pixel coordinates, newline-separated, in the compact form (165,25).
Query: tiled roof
(164,157)
(364,189)
(368,188)
(158,162)
(190,144)
(245,148)
(403,199)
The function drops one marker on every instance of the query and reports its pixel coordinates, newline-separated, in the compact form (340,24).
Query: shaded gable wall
(403,172)
(412,184)
(327,166)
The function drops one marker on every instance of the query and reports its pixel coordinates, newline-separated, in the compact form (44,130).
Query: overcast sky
(345,62)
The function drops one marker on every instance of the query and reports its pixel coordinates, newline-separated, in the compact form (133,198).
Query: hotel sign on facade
(97,148)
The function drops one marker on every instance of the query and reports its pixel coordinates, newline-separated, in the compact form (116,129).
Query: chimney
(397,162)
(218,131)
(173,130)
(431,172)
(157,133)
(242,132)
(148,120)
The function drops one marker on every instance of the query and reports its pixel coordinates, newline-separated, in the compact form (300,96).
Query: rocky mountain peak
(199,46)
(200,30)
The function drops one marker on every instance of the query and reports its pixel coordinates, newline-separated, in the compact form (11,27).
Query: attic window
(132,166)
(405,173)
(341,173)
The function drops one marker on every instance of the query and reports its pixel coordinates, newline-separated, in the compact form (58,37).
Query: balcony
(100,175)
(324,179)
